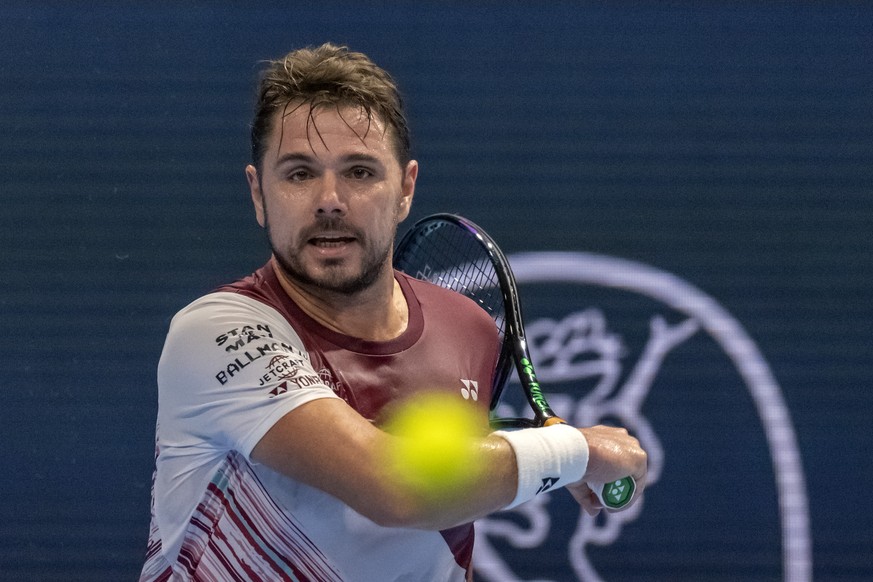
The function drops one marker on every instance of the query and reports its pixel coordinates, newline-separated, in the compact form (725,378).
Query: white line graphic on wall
(607,399)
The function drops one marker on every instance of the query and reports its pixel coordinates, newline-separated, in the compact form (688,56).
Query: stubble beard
(335,277)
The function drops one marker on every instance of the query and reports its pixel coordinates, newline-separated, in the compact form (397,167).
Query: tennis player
(269,461)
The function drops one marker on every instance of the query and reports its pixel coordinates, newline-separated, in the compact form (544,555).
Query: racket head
(449,251)
(453,252)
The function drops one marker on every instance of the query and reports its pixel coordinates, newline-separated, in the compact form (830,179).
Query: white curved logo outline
(611,272)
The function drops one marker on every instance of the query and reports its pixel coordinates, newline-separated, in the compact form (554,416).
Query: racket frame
(515,347)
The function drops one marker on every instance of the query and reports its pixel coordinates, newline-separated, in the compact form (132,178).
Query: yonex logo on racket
(617,493)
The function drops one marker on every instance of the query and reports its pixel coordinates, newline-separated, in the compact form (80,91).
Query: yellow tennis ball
(434,451)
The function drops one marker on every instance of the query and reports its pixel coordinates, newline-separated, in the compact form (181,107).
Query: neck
(378,313)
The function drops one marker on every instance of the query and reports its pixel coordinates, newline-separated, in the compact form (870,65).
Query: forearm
(492,486)
(329,446)
(345,456)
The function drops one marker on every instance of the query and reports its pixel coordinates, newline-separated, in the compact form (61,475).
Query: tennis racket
(452,252)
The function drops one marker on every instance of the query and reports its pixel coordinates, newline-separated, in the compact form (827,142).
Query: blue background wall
(728,143)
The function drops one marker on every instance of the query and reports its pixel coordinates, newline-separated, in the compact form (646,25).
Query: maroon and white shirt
(236,361)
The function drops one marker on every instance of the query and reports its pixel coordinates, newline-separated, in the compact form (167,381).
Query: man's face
(331,193)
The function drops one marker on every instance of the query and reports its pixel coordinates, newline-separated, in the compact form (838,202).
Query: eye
(299,175)
(360,173)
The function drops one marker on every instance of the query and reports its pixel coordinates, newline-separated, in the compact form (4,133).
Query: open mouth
(331,241)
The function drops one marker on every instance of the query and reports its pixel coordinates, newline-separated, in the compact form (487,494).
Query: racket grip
(615,494)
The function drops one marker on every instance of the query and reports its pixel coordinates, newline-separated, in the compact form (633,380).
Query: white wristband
(547,458)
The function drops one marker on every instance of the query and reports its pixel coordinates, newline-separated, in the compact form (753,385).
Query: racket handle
(615,494)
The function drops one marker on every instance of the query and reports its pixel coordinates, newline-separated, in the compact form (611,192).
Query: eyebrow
(292,157)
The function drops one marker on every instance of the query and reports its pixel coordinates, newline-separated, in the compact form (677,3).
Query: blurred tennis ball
(435,449)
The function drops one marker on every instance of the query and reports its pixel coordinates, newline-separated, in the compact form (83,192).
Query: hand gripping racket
(454,253)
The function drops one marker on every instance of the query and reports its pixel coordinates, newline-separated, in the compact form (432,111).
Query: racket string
(450,257)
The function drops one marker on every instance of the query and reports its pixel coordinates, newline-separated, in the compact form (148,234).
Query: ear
(410,175)
(257,194)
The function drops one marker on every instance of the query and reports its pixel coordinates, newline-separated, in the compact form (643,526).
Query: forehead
(327,129)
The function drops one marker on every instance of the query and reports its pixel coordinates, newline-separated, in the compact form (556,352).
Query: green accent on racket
(616,494)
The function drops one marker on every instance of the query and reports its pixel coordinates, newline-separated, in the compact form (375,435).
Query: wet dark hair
(327,75)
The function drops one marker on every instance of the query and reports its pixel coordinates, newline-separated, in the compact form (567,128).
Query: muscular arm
(328,445)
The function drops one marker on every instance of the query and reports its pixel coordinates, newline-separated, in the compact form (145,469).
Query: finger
(592,506)
(586,498)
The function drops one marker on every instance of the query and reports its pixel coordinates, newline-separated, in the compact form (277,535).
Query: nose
(330,201)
